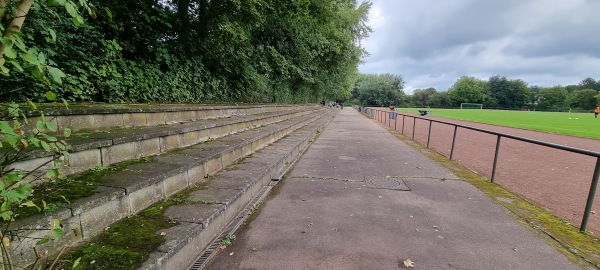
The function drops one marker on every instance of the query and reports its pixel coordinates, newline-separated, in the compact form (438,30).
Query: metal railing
(381,116)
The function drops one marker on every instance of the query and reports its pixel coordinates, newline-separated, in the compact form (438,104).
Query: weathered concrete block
(211,114)
(157,261)
(196,175)
(247,149)
(97,219)
(226,130)
(213,165)
(155,119)
(170,142)
(196,244)
(32,164)
(178,237)
(229,157)
(199,115)
(203,135)
(214,132)
(144,197)
(134,120)
(148,147)
(175,184)
(82,161)
(21,247)
(107,121)
(173,117)
(76,122)
(118,153)
(190,138)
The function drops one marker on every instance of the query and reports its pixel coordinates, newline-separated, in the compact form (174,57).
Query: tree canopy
(380,90)
(194,50)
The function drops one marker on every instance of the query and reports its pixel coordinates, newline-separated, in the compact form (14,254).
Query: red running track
(556,180)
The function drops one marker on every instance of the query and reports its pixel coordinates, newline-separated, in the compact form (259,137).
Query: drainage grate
(386,182)
(230,229)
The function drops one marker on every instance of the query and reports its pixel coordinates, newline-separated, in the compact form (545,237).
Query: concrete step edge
(182,250)
(98,213)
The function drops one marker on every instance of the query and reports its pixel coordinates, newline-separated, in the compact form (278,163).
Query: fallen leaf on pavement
(408,263)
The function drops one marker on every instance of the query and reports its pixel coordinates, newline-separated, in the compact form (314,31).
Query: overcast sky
(432,43)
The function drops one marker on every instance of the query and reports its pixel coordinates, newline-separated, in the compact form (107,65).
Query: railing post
(403,120)
(429,134)
(590,199)
(496,159)
(396,122)
(388,118)
(453,141)
(414,127)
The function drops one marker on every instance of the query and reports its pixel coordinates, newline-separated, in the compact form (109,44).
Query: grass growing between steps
(60,192)
(128,243)
(580,248)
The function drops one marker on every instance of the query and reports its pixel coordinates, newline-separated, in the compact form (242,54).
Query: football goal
(471,106)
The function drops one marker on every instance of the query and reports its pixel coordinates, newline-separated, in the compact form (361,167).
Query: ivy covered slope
(191,51)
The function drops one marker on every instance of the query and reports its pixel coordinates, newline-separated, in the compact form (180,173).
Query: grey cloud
(433,43)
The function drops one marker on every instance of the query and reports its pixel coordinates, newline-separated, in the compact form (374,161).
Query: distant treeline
(196,51)
(497,92)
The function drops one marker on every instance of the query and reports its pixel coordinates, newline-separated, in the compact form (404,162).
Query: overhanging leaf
(78,20)
(71,9)
(108,13)
(52,34)
(53,173)
(46,146)
(56,75)
(52,127)
(43,241)
(6,41)
(30,57)
(17,66)
(10,53)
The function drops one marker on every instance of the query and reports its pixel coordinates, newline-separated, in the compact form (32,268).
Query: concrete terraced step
(115,145)
(140,185)
(98,117)
(225,199)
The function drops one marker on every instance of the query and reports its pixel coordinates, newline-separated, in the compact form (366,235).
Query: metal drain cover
(383,182)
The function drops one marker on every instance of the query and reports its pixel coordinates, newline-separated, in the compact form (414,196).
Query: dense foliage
(195,51)
(497,92)
(379,90)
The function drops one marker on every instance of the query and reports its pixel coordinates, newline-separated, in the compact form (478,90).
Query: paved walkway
(359,198)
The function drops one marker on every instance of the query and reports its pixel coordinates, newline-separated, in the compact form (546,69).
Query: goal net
(471,106)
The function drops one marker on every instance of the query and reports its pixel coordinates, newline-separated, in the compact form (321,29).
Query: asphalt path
(359,198)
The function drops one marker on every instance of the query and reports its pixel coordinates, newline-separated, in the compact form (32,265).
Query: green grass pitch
(574,124)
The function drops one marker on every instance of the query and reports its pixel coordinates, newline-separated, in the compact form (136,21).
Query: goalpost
(471,106)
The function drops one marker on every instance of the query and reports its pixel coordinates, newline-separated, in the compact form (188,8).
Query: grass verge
(572,124)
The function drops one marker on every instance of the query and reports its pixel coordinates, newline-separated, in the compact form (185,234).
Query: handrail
(593,187)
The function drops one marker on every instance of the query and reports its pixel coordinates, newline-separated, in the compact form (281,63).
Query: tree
(470,90)
(200,51)
(583,99)
(534,97)
(420,97)
(552,98)
(589,83)
(380,90)
(13,49)
(509,94)
(440,100)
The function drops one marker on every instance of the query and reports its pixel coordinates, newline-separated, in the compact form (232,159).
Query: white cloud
(432,43)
